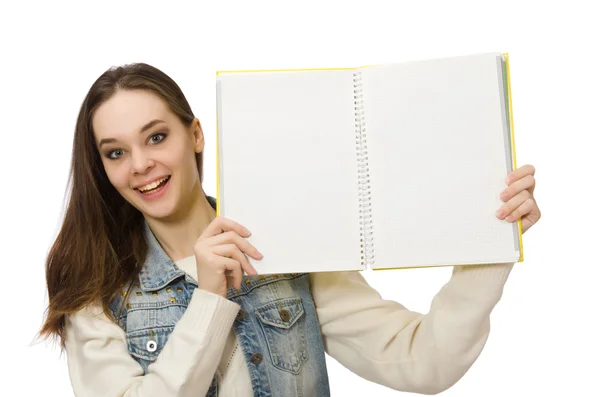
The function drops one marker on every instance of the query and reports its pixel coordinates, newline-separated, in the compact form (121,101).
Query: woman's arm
(100,364)
(382,341)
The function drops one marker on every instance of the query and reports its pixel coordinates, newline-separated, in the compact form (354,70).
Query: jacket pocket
(146,344)
(283,324)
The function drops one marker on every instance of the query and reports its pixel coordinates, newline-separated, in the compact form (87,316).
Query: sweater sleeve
(382,341)
(100,364)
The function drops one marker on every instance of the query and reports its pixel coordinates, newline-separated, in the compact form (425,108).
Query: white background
(545,336)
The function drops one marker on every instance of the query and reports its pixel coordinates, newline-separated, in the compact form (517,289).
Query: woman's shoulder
(91,321)
(91,310)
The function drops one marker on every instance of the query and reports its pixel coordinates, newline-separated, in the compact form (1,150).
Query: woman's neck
(178,235)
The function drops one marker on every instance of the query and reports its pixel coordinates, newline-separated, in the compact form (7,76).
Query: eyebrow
(142,130)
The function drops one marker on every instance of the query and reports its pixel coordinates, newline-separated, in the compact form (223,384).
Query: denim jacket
(277,326)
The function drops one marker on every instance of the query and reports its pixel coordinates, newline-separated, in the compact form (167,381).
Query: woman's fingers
(221,224)
(518,197)
(243,244)
(519,173)
(232,251)
(220,258)
(522,210)
(525,183)
(512,210)
(236,275)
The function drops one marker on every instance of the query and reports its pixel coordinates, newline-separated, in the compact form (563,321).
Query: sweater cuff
(210,314)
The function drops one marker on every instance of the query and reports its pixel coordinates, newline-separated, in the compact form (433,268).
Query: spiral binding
(364,187)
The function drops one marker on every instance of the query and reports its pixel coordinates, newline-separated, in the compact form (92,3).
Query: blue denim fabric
(277,326)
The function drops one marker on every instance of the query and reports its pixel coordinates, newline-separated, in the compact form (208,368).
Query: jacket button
(285,315)
(240,315)
(256,358)
(151,346)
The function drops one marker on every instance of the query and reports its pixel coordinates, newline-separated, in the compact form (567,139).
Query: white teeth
(152,185)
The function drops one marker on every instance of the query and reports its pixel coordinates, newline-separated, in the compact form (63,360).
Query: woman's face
(148,154)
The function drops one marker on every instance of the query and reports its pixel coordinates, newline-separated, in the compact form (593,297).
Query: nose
(140,162)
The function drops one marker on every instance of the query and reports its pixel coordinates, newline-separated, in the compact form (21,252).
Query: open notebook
(388,166)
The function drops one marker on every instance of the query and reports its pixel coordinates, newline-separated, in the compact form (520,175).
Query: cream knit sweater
(377,339)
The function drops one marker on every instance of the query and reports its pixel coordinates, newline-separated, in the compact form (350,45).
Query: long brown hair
(100,246)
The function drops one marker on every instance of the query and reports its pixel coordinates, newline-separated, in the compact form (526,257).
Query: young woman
(147,289)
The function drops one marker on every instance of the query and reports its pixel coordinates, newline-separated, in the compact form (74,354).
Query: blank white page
(439,153)
(288,167)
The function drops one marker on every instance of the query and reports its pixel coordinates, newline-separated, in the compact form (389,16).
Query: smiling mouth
(154,186)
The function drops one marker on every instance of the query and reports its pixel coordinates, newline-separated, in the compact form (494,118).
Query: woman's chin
(162,212)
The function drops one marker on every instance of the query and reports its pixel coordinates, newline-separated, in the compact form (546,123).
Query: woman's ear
(198,136)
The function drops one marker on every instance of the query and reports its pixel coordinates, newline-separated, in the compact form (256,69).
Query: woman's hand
(518,198)
(220,256)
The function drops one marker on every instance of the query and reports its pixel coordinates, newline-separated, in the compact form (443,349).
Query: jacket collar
(158,269)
